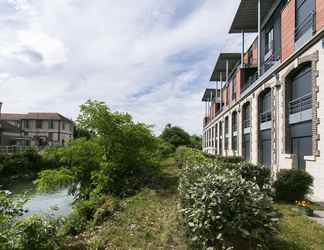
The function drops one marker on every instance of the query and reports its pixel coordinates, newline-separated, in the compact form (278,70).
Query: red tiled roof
(34,116)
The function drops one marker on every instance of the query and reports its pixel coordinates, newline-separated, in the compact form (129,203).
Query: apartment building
(44,129)
(269,105)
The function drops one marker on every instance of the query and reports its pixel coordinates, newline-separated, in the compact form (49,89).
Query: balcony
(265,117)
(247,123)
(300,104)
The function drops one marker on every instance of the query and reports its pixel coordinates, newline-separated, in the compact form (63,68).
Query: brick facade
(288,29)
(319,15)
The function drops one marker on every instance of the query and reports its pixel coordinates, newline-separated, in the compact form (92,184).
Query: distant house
(11,135)
(44,129)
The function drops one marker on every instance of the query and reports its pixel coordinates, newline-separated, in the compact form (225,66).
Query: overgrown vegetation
(226,207)
(27,162)
(125,186)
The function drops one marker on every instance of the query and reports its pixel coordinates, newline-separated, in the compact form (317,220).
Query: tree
(117,160)
(195,142)
(176,136)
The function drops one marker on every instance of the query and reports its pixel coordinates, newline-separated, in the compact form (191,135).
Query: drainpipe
(259,38)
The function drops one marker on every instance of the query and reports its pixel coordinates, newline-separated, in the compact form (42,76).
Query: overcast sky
(151,58)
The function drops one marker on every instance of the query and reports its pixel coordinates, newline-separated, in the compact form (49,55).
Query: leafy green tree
(176,136)
(117,159)
(81,133)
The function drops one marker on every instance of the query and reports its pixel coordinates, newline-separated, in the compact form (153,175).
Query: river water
(54,204)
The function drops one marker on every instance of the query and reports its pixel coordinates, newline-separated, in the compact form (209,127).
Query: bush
(292,185)
(223,210)
(251,172)
(38,233)
(21,163)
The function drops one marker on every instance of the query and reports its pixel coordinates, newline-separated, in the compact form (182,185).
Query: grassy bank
(298,232)
(149,220)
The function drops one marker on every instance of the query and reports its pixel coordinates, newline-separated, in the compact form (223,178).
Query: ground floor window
(301,142)
(265,149)
(246,147)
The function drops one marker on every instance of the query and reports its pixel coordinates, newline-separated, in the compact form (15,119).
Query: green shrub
(38,233)
(21,163)
(223,210)
(251,172)
(292,185)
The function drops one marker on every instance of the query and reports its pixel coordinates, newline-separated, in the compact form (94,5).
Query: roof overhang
(220,67)
(246,17)
(209,95)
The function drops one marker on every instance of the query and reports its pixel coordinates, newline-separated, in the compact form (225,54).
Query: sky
(150,58)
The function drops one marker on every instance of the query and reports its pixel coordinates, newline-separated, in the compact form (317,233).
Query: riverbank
(150,220)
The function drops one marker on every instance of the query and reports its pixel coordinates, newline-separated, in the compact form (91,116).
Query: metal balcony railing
(247,123)
(265,116)
(308,23)
(300,104)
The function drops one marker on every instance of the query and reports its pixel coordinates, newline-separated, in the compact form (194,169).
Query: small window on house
(63,125)
(26,123)
(51,124)
(39,124)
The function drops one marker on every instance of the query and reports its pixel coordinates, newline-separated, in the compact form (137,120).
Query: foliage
(118,160)
(38,233)
(251,172)
(165,149)
(175,136)
(292,185)
(221,208)
(81,133)
(49,180)
(21,163)
(195,142)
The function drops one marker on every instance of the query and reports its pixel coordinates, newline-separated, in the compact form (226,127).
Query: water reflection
(55,204)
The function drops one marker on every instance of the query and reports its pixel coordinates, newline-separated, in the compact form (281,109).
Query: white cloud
(142,57)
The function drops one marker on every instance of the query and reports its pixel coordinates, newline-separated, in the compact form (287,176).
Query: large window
(246,142)
(300,115)
(234,131)
(305,13)
(247,115)
(264,145)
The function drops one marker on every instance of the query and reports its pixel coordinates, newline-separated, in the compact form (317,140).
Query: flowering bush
(221,209)
(303,204)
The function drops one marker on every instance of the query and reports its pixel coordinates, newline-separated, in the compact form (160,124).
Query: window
(50,136)
(26,123)
(39,124)
(226,125)
(234,131)
(300,142)
(234,88)
(246,116)
(305,11)
(50,124)
(269,42)
(63,125)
